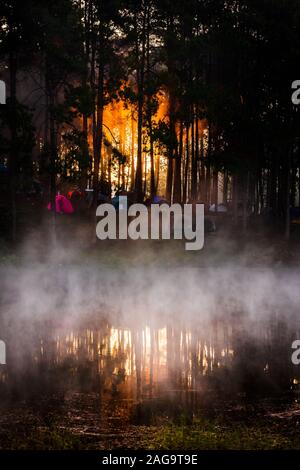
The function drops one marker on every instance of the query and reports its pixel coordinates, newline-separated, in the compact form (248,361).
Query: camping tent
(62,205)
(220,208)
(159,200)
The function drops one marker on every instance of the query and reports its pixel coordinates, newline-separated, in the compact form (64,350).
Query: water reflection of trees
(225,357)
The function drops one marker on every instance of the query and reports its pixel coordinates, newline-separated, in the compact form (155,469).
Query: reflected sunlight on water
(147,356)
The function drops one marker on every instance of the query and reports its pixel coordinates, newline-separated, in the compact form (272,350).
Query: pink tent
(62,205)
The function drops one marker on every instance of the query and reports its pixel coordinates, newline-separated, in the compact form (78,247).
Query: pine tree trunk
(13,144)
(288,196)
(186,169)
(98,132)
(177,176)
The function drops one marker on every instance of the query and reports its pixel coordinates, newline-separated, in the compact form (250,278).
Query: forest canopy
(189,102)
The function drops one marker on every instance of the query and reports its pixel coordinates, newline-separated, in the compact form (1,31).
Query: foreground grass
(201,435)
(210,436)
(50,439)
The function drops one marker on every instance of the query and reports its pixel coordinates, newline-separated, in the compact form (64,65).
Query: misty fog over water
(179,326)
